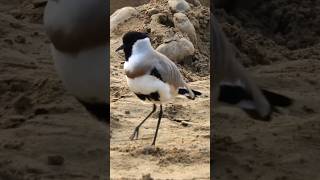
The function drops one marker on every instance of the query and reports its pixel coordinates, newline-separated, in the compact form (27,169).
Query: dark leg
(158,125)
(136,130)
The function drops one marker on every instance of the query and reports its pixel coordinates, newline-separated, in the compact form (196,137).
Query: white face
(141,46)
(139,50)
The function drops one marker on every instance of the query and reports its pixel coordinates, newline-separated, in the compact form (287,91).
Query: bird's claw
(135,134)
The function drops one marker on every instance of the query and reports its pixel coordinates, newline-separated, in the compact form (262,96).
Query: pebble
(182,22)
(120,16)
(177,50)
(178,5)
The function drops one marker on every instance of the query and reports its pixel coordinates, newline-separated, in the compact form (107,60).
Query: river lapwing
(152,76)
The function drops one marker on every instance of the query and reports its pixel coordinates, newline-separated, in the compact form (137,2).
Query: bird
(232,84)
(78,32)
(151,76)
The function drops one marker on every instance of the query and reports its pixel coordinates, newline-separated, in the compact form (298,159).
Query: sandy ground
(279,43)
(182,150)
(44,132)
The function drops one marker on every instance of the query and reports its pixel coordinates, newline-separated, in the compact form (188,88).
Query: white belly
(148,84)
(85,75)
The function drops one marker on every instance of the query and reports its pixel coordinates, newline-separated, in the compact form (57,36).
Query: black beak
(119,48)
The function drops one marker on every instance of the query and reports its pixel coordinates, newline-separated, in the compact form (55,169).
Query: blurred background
(279,43)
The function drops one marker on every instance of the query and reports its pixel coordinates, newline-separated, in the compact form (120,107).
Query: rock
(178,5)
(182,22)
(120,16)
(177,50)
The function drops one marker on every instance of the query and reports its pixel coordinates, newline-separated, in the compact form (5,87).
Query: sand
(182,150)
(278,41)
(44,132)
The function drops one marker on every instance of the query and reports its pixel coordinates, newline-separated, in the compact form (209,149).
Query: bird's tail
(237,95)
(185,92)
(277,99)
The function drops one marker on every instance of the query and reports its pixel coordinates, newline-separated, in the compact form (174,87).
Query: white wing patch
(148,84)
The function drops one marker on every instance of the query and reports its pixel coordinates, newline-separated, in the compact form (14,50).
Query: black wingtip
(183,91)
(232,94)
(277,99)
(196,93)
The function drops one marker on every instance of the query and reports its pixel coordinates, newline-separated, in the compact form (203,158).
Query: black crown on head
(128,41)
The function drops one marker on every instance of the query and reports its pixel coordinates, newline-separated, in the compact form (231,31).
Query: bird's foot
(135,134)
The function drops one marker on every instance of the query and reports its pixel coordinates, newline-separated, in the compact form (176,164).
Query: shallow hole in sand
(165,20)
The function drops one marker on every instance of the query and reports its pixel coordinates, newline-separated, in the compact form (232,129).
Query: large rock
(177,50)
(120,16)
(182,22)
(178,5)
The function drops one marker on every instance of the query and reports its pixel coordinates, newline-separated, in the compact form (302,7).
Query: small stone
(127,112)
(178,5)
(177,50)
(120,16)
(182,22)
(185,124)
